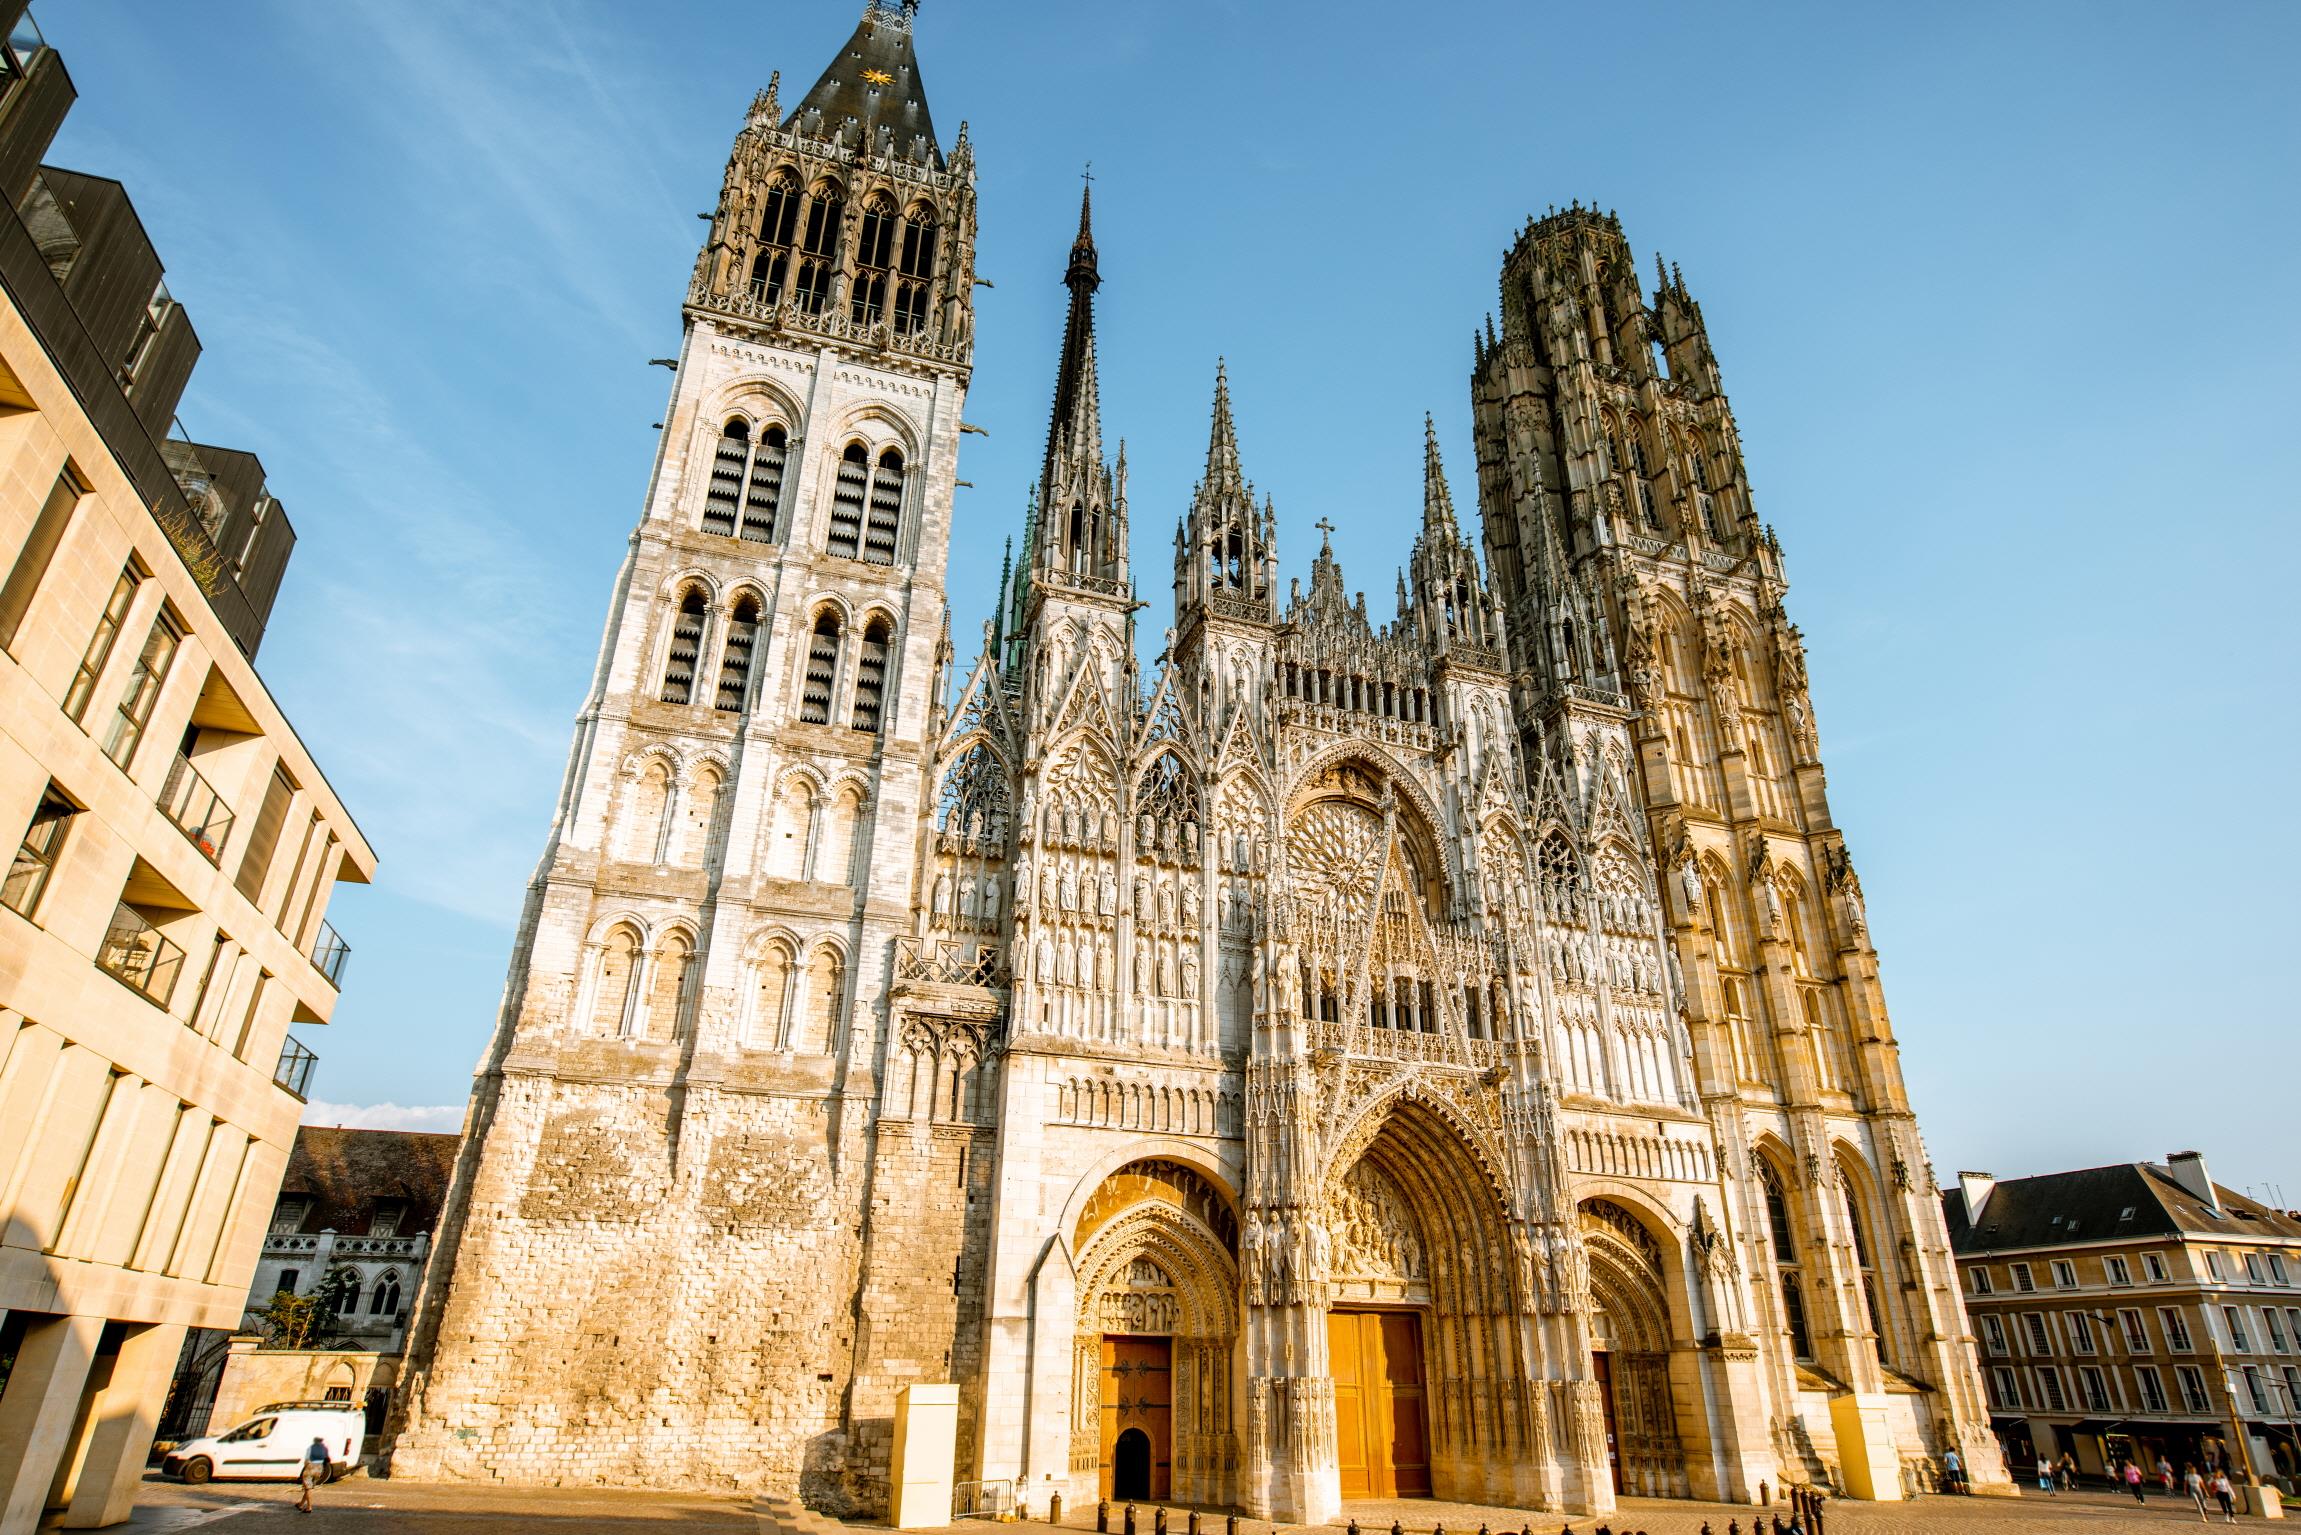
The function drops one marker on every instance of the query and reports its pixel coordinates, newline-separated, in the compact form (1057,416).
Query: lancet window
(847,497)
(1786,1270)
(686,648)
(886,525)
(778,227)
(668,1002)
(735,655)
(775,979)
(916,269)
(874,257)
(1869,1270)
(819,252)
(823,646)
(616,993)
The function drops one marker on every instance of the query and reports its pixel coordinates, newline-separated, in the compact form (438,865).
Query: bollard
(1733,1527)
(1765,1495)
(1353,1527)
(1394,1529)
(1054,1508)
(1193,1522)
(1158,1522)
(1130,1524)
(1103,1517)
(1230,1524)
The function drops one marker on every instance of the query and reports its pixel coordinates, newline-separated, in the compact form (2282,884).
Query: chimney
(1976,1189)
(2187,1168)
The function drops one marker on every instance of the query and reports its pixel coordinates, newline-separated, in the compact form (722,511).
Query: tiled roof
(344,1172)
(2105,1204)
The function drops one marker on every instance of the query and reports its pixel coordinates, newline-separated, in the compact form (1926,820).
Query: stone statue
(1190,972)
(1110,895)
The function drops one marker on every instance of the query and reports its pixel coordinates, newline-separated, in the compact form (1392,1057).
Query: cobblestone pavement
(363,1507)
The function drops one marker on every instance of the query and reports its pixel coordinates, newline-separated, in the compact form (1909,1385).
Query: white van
(270,1446)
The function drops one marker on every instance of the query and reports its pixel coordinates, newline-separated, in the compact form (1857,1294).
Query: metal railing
(294,1071)
(140,955)
(198,811)
(330,954)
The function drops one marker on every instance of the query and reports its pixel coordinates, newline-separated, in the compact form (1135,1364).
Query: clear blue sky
(2003,297)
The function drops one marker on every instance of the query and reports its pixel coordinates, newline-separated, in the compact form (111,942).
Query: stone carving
(1375,1237)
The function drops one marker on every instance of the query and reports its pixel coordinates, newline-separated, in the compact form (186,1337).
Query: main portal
(1381,1433)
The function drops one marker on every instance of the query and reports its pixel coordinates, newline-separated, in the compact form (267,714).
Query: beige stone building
(1333,1058)
(163,921)
(2133,1312)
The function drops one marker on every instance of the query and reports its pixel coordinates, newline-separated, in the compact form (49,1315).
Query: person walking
(2133,1480)
(2066,1470)
(2226,1496)
(2194,1480)
(1952,1472)
(2044,1474)
(313,1472)
(2165,1475)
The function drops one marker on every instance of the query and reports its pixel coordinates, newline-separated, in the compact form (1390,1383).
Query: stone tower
(1650,646)
(661,1219)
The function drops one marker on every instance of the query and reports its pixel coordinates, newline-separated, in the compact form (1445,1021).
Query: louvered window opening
(686,646)
(886,510)
(735,665)
(847,502)
(765,492)
(870,678)
(822,671)
(918,265)
(874,254)
(726,490)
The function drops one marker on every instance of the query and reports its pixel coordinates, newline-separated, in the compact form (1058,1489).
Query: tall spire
(1222,467)
(1077,419)
(1437,505)
(870,97)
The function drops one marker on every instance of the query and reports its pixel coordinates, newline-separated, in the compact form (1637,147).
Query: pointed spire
(1222,467)
(1438,523)
(1083,269)
(767,106)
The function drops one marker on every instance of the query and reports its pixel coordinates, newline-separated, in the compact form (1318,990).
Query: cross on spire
(1325,534)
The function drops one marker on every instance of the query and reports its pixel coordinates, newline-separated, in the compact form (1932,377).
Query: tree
(290,1320)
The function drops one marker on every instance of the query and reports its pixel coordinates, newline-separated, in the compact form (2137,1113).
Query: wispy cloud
(446,1118)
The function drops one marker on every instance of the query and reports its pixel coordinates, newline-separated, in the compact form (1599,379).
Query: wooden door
(1138,1376)
(1381,1423)
(1602,1367)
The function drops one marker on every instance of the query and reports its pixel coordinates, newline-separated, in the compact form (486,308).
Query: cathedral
(1311,1055)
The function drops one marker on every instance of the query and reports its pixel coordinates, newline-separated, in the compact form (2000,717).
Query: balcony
(295,1069)
(198,811)
(140,956)
(330,954)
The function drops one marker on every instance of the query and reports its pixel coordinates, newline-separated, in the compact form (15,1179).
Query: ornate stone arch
(1393,771)
(1639,1319)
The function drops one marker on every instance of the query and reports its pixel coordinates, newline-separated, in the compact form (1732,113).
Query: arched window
(821,1031)
(735,656)
(822,669)
(727,466)
(668,1000)
(871,675)
(847,497)
(1785,1261)
(644,812)
(771,998)
(835,851)
(886,509)
(1794,929)
(874,255)
(916,269)
(385,1301)
(618,976)
(697,808)
(819,254)
(777,226)
(794,831)
(765,492)
(686,646)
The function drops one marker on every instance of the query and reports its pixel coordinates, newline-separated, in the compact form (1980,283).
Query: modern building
(2134,1311)
(163,924)
(1337,1058)
(353,1224)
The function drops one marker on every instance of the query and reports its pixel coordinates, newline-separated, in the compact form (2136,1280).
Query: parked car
(270,1446)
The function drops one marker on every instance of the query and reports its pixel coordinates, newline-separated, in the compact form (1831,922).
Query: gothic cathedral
(1443,1056)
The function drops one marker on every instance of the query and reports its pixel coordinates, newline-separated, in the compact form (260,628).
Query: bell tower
(659,1224)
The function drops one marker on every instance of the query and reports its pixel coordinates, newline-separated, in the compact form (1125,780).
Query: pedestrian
(2165,1475)
(1952,1471)
(2194,1480)
(314,1472)
(2044,1474)
(2226,1496)
(2066,1468)
(2133,1480)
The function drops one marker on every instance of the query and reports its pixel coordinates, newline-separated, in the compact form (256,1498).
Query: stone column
(39,1412)
(121,1419)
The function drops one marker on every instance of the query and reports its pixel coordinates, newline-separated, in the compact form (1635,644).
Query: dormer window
(385,1221)
(288,1214)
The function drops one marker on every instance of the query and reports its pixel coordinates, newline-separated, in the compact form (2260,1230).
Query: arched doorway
(1630,1332)
(1424,1304)
(1131,1466)
(1155,1351)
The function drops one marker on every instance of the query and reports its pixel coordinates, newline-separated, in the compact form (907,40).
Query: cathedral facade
(1336,1058)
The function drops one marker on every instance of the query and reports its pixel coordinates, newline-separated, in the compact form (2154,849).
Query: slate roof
(2091,1205)
(344,1172)
(873,89)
